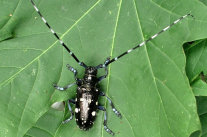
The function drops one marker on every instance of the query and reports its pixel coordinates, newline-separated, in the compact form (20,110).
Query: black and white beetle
(86,101)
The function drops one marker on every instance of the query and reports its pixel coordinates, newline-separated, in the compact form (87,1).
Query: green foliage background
(154,87)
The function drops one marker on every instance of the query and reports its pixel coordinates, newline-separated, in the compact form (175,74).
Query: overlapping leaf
(196,59)
(196,72)
(202,111)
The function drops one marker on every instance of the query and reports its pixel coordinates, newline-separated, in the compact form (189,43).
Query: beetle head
(91,70)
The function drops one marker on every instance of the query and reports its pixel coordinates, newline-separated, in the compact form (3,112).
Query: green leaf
(202,111)
(47,125)
(199,88)
(196,55)
(204,2)
(149,86)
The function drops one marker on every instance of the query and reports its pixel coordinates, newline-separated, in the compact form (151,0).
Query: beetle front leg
(106,69)
(71,111)
(70,85)
(75,72)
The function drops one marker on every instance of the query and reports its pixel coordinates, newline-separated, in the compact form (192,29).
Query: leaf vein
(20,122)
(139,24)
(12,15)
(9,79)
(173,94)
(112,47)
(43,130)
(22,49)
(201,53)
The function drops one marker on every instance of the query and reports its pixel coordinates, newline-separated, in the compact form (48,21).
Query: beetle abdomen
(86,106)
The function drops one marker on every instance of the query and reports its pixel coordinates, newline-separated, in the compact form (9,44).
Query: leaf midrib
(112,50)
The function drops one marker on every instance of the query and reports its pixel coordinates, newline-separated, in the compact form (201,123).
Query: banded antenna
(146,41)
(55,34)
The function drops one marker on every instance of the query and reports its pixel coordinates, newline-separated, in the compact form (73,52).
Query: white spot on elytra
(81,99)
(96,103)
(89,78)
(93,113)
(89,101)
(76,110)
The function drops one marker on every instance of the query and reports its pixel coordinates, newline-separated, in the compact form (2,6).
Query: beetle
(87,94)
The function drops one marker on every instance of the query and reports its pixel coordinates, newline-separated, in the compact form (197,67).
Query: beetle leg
(112,105)
(63,88)
(75,72)
(104,76)
(70,109)
(106,69)
(105,120)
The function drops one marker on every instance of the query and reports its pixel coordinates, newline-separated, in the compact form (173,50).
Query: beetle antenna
(146,41)
(55,34)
